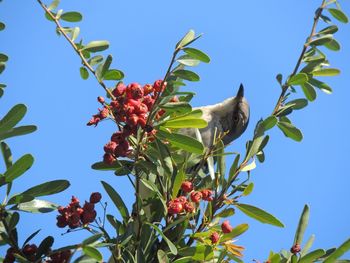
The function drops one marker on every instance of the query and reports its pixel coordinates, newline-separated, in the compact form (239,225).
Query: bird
(229,117)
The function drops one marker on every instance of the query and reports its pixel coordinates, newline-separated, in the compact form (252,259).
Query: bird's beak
(240,93)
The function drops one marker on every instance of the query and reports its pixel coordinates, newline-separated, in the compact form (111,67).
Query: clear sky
(248,42)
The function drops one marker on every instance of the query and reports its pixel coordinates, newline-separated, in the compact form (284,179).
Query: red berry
(175,207)
(108,158)
(95,197)
(119,89)
(74,221)
(196,196)
(187,186)
(226,227)
(295,248)
(207,194)
(158,85)
(30,250)
(114,104)
(61,221)
(214,237)
(134,91)
(88,217)
(101,99)
(94,120)
(104,113)
(74,201)
(189,207)
(132,120)
(142,122)
(110,147)
(182,199)
(147,89)
(117,137)
(148,101)
(88,206)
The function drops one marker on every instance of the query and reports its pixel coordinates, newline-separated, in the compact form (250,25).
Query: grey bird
(230,116)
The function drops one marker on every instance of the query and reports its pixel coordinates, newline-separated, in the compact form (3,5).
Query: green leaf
(329,30)
(303,221)
(6,153)
(333,45)
(2,67)
(13,221)
(92,252)
(96,46)
(320,41)
(326,72)
(197,54)
(31,236)
(185,123)
(48,188)
(162,257)
(233,168)
(188,61)
(236,231)
(71,16)
(199,253)
(188,38)
(269,122)
(307,246)
(248,189)
(249,167)
(122,167)
(17,169)
(312,256)
(44,247)
(309,91)
(118,201)
(92,239)
(298,104)
(226,213)
(170,244)
(180,107)
(113,74)
(297,79)
(19,198)
(345,247)
(321,85)
(53,5)
(259,214)
(2,26)
(95,60)
(339,15)
(18,131)
(14,116)
(186,74)
(3,57)
(179,178)
(84,73)
(183,142)
(75,33)
(290,131)
(36,206)
(104,67)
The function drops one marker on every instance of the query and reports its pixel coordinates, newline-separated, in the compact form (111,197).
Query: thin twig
(77,50)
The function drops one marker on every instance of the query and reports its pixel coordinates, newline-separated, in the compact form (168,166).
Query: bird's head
(239,118)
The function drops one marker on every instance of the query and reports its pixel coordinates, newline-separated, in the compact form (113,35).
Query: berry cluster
(225,227)
(182,203)
(75,216)
(129,109)
(29,251)
(60,257)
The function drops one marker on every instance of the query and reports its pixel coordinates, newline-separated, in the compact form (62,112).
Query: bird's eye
(235,118)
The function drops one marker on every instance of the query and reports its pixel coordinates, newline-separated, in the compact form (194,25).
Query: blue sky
(249,42)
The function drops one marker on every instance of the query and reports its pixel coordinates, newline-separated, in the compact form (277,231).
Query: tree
(156,160)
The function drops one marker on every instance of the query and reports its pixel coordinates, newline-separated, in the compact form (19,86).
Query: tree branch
(74,46)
